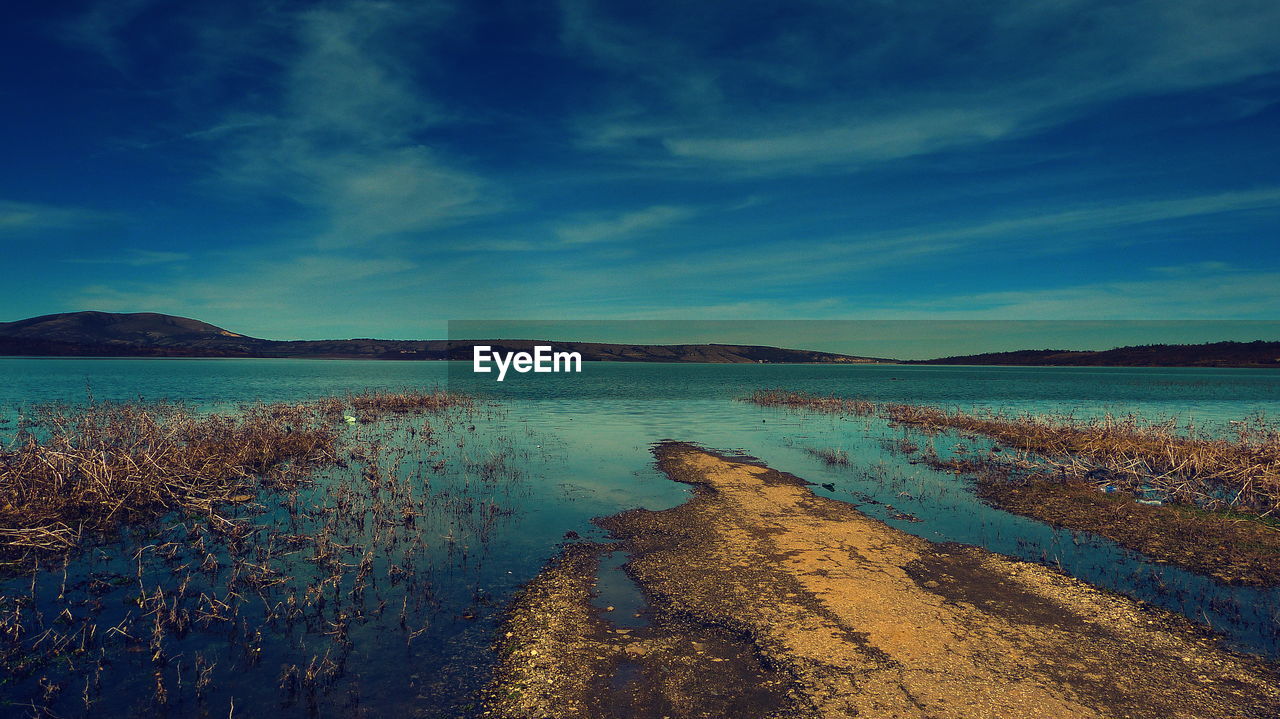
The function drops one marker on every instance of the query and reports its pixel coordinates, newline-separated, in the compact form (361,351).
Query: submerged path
(772,601)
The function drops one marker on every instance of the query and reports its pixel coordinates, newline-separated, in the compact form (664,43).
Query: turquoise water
(1202,394)
(579,447)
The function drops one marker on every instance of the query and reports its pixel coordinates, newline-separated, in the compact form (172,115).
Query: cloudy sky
(307,170)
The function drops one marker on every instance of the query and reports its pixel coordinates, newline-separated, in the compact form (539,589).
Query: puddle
(626,675)
(614,588)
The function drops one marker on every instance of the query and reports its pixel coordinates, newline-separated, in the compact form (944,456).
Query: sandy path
(870,621)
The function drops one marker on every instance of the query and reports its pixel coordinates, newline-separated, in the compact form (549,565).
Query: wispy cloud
(336,120)
(341,136)
(1195,269)
(1055,230)
(287,297)
(27,216)
(135,258)
(99,29)
(856,83)
(1111,215)
(861,140)
(622,226)
(1207,296)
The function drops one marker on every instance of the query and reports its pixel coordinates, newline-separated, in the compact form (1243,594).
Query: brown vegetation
(346,561)
(830,455)
(1221,545)
(1240,472)
(74,472)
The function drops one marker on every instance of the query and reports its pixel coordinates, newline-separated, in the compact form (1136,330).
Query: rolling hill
(149,334)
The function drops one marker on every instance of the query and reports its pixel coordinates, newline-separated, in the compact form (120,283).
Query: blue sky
(309,170)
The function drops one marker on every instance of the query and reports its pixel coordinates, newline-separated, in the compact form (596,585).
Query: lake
(574,447)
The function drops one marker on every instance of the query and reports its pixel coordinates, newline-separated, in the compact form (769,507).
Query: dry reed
(1239,472)
(75,472)
(829,455)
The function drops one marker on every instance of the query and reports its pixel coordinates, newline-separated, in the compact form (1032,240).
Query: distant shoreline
(154,335)
(883,363)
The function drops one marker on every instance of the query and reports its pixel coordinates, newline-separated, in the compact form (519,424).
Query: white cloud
(100,27)
(1206,296)
(135,258)
(851,83)
(857,141)
(335,117)
(1195,268)
(1070,229)
(265,295)
(1106,216)
(341,136)
(29,216)
(623,226)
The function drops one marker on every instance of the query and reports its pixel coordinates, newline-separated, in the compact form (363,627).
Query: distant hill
(132,334)
(148,334)
(1213,354)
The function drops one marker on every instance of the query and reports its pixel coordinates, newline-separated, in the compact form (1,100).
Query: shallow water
(617,595)
(580,445)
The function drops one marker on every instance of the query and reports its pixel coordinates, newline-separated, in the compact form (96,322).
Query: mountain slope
(130,334)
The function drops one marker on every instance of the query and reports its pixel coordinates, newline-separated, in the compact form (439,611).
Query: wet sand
(769,600)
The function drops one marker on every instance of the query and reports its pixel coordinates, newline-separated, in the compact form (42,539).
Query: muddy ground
(769,600)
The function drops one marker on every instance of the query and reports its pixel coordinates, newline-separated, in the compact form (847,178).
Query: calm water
(580,447)
(1210,394)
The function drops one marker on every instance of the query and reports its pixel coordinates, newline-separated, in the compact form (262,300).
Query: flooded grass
(1201,503)
(1240,473)
(1232,548)
(830,455)
(305,597)
(83,471)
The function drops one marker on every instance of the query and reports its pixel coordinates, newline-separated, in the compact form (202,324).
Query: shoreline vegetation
(260,558)
(821,611)
(1208,504)
(77,473)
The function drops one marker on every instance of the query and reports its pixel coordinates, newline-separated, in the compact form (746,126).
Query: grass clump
(372,404)
(1220,495)
(1241,472)
(75,472)
(830,455)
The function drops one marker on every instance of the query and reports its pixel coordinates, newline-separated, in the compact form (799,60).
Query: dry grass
(1239,472)
(377,403)
(830,455)
(812,402)
(75,472)
(347,561)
